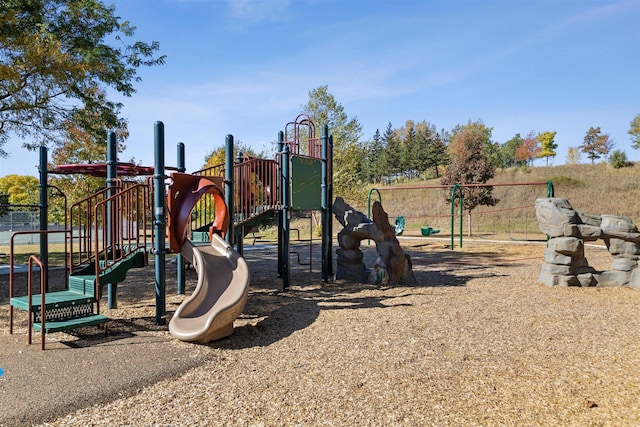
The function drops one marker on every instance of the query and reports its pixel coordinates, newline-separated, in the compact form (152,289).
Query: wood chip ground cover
(475,341)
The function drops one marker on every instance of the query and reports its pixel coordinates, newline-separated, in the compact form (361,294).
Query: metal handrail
(128,212)
(11,264)
(43,292)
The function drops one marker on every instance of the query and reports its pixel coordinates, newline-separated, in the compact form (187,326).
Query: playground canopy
(100,169)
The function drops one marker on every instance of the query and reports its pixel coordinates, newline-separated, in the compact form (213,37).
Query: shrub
(618,159)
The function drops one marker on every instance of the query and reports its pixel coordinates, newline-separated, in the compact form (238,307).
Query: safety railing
(257,188)
(109,224)
(43,278)
(43,291)
(120,226)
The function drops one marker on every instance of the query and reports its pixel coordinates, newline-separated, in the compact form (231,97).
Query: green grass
(23,252)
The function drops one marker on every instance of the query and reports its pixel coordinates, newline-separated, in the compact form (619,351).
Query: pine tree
(392,154)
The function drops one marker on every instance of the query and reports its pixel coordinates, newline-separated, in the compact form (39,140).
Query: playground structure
(113,230)
(564,261)
(393,263)
(424,210)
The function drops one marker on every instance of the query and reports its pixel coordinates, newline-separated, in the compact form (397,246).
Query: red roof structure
(100,169)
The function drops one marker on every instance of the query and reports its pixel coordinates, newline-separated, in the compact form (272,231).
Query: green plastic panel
(306,184)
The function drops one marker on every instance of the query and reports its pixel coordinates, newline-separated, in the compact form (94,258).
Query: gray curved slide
(220,295)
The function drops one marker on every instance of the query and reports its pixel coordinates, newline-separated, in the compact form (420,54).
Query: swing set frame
(457,197)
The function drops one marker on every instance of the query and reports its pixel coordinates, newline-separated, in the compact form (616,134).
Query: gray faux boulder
(393,263)
(564,262)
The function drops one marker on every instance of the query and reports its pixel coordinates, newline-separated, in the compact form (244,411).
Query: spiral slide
(219,297)
(223,275)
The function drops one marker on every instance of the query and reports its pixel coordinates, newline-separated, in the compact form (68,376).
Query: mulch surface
(476,340)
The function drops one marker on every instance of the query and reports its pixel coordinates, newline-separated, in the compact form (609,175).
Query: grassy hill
(597,189)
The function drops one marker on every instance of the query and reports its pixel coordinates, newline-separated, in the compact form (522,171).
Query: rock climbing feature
(393,262)
(564,261)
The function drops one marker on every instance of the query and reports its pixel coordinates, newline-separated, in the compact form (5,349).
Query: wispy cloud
(257,11)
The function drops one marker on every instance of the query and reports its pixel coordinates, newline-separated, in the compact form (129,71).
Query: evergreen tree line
(418,150)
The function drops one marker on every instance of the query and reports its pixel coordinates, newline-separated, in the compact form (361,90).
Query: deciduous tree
(85,141)
(218,156)
(22,189)
(507,153)
(470,164)
(573,156)
(596,144)
(58,57)
(548,145)
(323,109)
(634,131)
(529,149)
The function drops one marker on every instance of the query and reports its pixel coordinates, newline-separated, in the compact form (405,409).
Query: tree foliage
(85,141)
(573,156)
(529,149)
(506,154)
(218,156)
(634,131)
(323,109)
(596,144)
(618,159)
(56,60)
(374,161)
(547,144)
(470,164)
(392,154)
(22,189)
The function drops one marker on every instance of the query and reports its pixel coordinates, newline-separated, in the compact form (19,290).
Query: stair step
(52,300)
(68,324)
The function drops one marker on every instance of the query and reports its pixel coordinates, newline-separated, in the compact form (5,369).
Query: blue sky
(246,68)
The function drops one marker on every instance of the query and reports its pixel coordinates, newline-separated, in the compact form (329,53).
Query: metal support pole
(228,186)
(453,195)
(112,288)
(280,216)
(243,203)
(286,188)
(179,258)
(44,216)
(159,222)
(326,213)
(330,196)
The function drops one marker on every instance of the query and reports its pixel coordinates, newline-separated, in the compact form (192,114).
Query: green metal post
(159,197)
(240,231)
(228,186)
(44,215)
(550,190)
(330,195)
(453,193)
(326,214)
(112,160)
(286,188)
(280,216)
(180,259)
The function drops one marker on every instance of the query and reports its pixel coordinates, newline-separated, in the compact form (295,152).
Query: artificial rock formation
(393,262)
(564,261)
